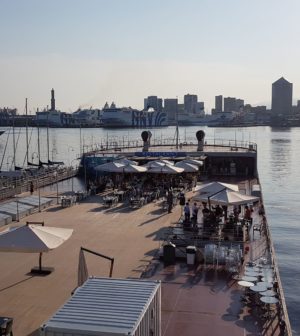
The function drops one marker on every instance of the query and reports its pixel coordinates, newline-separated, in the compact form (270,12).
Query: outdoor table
(269,299)
(110,200)
(268,292)
(265,283)
(120,194)
(258,288)
(249,278)
(246,284)
(251,273)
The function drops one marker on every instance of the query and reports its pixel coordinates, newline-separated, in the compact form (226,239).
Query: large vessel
(113,116)
(206,271)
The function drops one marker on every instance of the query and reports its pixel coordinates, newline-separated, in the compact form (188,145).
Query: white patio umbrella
(33,239)
(188,167)
(214,187)
(111,167)
(125,161)
(166,169)
(158,163)
(193,162)
(227,197)
(115,167)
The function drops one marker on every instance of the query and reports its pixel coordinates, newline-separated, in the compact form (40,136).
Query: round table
(269,299)
(268,292)
(258,288)
(249,278)
(251,273)
(268,284)
(246,283)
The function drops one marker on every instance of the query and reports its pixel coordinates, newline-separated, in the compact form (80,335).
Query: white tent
(214,187)
(227,197)
(33,239)
(166,169)
(188,167)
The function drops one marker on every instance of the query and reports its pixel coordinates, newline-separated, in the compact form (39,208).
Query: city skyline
(93,52)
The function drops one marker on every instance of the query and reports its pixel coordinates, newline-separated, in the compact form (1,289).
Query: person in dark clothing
(187,212)
(31,188)
(170,201)
(181,200)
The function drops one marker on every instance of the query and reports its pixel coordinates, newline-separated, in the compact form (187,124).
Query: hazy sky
(93,51)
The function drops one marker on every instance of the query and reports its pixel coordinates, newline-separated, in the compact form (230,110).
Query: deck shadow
(16,283)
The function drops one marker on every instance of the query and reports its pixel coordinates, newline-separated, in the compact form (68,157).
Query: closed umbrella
(188,167)
(33,239)
(82,269)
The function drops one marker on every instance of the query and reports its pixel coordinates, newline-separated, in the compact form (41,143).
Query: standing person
(187,212)
(247,214)
(170,201)
(181,200)
(31,188)
(195,210)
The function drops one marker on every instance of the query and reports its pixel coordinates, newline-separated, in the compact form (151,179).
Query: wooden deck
(194,301)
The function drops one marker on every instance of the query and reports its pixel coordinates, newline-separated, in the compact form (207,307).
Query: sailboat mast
(48,150)
(39,151)
(177,132)
(26,110)
(14,142)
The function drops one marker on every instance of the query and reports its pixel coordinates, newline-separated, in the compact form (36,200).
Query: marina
(154,227)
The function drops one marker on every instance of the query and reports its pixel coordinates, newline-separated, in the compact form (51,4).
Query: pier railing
(118,144)
(11,187)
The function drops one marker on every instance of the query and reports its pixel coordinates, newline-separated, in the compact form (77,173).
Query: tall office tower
(229,104)
(219,104)
(154,102)
(200,109)
(52,100)
(282,97)
(239,104)
(190,104)
(170,108)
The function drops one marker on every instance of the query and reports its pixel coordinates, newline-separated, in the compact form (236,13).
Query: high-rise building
(282,97)
(190,104)
(154,102)
(171,108)
(52,100)
(218,104)
(233,104)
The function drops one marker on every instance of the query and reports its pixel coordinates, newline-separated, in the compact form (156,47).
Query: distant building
(190,103)
(171,108)
(200,109)
(233,104)
(218,104)
(282,97)
(154,102)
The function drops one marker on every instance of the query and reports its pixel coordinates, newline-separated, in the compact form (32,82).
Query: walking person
(187,212)
(181,200)
(195,210)
(170,201)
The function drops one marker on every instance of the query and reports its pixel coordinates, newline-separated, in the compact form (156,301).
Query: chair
(7,331)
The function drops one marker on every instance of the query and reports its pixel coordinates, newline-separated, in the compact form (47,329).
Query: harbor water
(278,166)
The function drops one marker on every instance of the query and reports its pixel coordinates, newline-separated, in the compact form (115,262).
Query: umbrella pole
(40,262)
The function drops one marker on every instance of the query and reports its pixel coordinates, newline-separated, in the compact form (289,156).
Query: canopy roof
(227,197)
(193,162)
(213,187)
(116,167)
(166,169)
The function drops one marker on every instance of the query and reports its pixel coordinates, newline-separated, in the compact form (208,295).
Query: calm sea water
(278,166)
